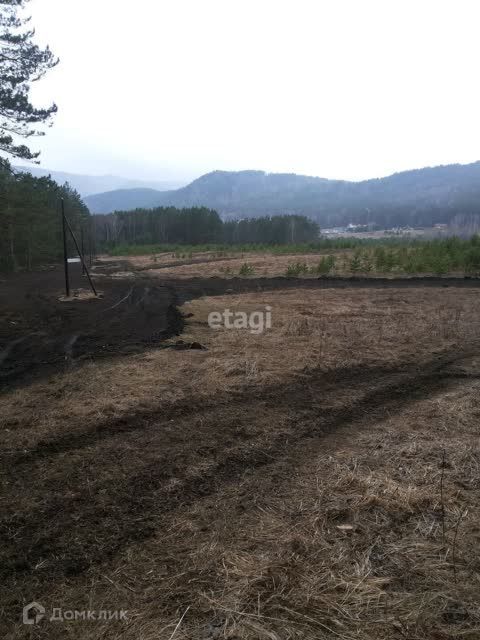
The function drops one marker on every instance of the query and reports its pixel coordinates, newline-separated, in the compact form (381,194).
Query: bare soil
(320,480)
(41,331)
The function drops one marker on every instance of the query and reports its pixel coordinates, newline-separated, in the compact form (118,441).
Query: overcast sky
(336,88)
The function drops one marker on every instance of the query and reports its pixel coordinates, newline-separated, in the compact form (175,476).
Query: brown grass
(320,480)
(263,265)
(78,295)
(208,264)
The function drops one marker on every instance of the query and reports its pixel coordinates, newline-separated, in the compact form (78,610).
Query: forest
(420,198)
(196,226)
(30,219)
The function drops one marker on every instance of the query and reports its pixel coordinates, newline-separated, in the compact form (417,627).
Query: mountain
(123,199)
(87,185)
(418,198)
(226,191)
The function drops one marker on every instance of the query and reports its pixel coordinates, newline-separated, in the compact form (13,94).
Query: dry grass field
(209,264)
(171,266)
(318,480)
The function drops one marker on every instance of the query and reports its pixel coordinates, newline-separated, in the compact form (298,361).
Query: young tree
(21,63)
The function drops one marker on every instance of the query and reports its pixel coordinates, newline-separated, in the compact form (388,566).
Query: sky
(172,89)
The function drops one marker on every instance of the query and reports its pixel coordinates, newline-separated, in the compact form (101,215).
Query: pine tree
(30,231)
(21,63)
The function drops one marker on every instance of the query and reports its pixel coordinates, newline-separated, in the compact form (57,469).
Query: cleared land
(320,480)
(448,257)
(210,264)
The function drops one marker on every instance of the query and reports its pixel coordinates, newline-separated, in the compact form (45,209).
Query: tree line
(196,226)
(438,256)
(30,219)
(30,224)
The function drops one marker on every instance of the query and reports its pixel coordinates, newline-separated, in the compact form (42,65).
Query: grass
(241,264)
(320,245)
(393,255)
(317,481)
(324,267)
(246,270)
(297,269)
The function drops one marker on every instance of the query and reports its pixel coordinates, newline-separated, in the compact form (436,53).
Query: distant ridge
(224,190)
(420,197)
(87,185)
(123,199)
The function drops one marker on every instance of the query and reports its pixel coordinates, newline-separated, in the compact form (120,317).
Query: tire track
(132,509)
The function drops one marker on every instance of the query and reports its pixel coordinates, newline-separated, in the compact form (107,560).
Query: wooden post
(82,244)
(65,255)
(80,254)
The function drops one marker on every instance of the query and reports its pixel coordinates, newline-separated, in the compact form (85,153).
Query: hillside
(86,184)
(123,199)
(419,197)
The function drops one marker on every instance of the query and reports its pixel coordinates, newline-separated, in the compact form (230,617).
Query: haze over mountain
(86,184)
(419,197)
(323,88)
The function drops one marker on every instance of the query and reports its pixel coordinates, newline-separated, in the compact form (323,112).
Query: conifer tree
(21,63)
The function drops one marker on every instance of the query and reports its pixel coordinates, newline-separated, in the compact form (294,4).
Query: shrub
(440,264)
(246,269)
(472,259)
(325,266)
(355,264)
(296,269)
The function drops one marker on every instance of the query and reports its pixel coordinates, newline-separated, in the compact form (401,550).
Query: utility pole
(65,254)
(82,246)
(80,254)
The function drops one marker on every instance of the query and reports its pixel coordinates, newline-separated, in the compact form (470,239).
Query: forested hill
(124,200)
(418,197)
